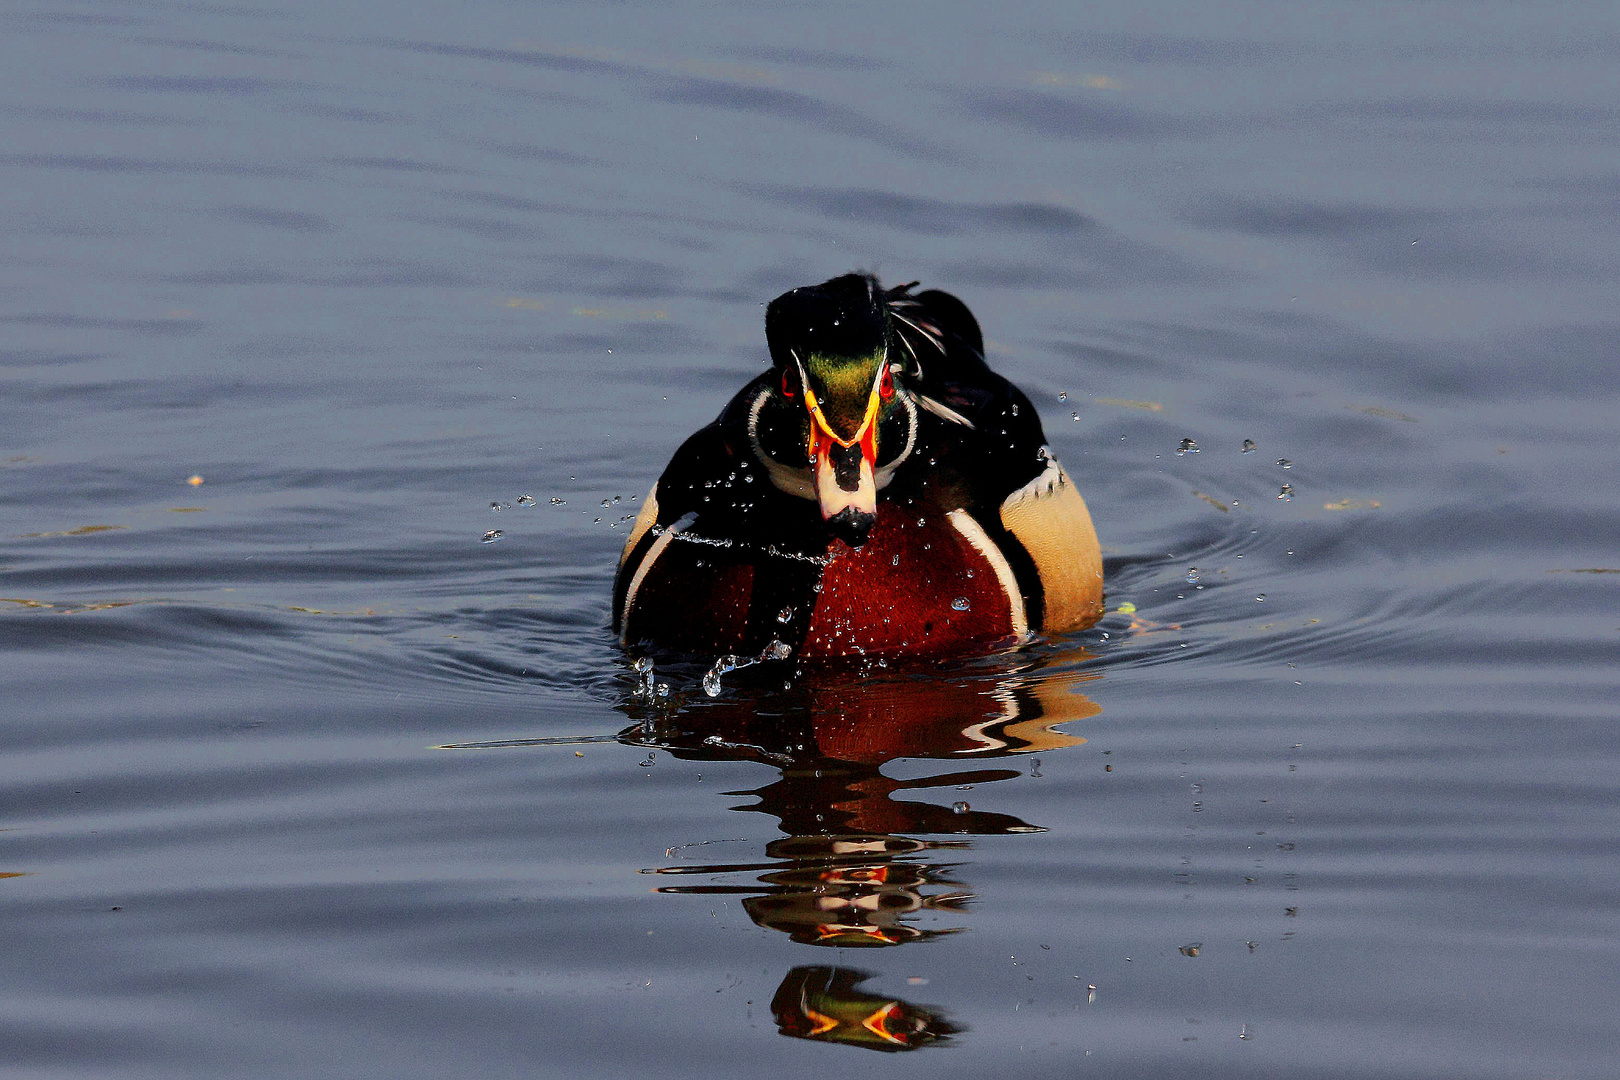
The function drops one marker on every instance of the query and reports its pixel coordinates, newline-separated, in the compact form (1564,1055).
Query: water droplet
(1075,417)
(605,504)
(894,560)
(492,536)
(644,676)
(785,615)
(525,500)
(663,689)
(1192,575)
(1261,598)
(1187,447)
(557,502)
(1192,950)
(776,650)
(497,507)
(1284,463)
(722,666)
(1287,493)
(1250,446)
(960,807)
(1013,409)
(1063,395)
(959,604)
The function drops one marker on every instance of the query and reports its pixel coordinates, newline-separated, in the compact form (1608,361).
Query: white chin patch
(835,500)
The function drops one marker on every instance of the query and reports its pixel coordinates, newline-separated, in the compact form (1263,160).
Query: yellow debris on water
(195,480)
(1150,406)
(82,530)
(1213,501)
(1352,504)
(1387,414)
(1126,608)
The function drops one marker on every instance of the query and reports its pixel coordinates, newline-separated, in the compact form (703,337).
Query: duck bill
(845,484)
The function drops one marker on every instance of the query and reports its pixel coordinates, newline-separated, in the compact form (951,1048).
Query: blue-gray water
(368,269)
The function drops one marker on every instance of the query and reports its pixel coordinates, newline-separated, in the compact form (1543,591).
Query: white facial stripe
(799,483)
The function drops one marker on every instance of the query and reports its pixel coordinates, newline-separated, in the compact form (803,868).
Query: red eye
(886,385)
(790,384)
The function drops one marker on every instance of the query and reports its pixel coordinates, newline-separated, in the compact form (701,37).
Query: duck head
(834,382)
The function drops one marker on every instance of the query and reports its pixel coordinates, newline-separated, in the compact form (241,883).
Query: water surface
(1345,805)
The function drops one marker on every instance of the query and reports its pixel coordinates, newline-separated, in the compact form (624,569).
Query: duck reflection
(826,1004)
(859,867)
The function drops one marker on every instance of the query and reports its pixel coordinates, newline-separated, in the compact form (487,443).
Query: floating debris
(1150,406)
(1192,950)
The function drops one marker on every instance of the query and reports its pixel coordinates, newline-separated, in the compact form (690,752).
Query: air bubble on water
(1187,447)
(492,536)
(785,615)
(1284,463)
(1250,446)
(604,504)
(525,500)
(959,604)
(1192,575)
(649,762)
(960,807)
(1287,493)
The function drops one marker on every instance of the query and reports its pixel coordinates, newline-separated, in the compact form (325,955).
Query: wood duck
(879,492)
